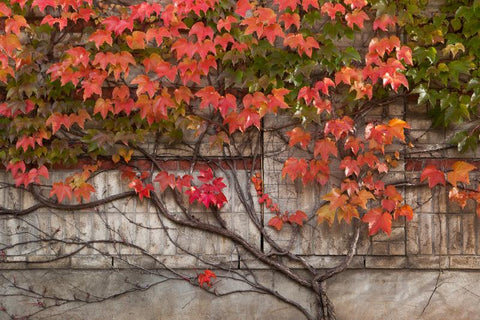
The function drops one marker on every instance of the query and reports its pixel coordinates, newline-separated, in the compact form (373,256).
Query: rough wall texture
(424,270)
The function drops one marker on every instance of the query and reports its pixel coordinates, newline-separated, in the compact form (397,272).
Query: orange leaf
(298,217)
(356,17)
(325,213)
(460,173)
(405,210)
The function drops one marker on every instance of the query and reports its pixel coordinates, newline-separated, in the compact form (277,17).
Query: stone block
(385,262)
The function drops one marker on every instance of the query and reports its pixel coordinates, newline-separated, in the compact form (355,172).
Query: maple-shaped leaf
(336,198)
(42,4)
(209,96)
(206,278)
(339,127)
(136,40)
(285,4)
(16,167)
(460,173)
(395,80)
(201,31)
(61,190)
(354,144)
(325,148)
(290,19)
(324,84)
(307,3)
(294,168)
(377,220)
(141,189)
(397,128)
(331,10)
(357,17)
(384,21)
(405,211)
(347,213)
(227,103)
(165,180)
(183,47)
(56,120)
(350,165)
(100,37)
(347,75)
(84,191)
(359,4)
(405,53)
(183,182)
(361,198)
(325,213)
(298,135)
(226,23)
(351,186)
(117,25)
(243,6)
(298,217)
(224,40)
(15,24)
(103,106)
(145,84)
(276,223)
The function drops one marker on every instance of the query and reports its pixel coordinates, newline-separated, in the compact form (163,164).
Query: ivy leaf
(206,278)
(61,190)
(357,17)
(100,37)
(325,213)
(276,223)
(405,211)
(384,21)
(298,135)
(325,147)
(378,220)
(460,173)
(298,217)
(433,175)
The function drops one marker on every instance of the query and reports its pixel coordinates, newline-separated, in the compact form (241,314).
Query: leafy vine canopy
(93,82)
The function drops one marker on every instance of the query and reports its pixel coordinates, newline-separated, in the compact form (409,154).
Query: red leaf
(356,17)
(201,31)
(298,217)
(331,10)
(285,4)
(206,278)
(350,165)
(100,37)
(298,135)
(165,180)
(61,190)
(290,19)
(339,127)
(325,147)
(433,175)
(242,7)
(226,23)
(405,53)
(276,223)
(294,168)
(378,220)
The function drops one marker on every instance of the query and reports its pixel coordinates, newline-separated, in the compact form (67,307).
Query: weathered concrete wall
(358,294)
